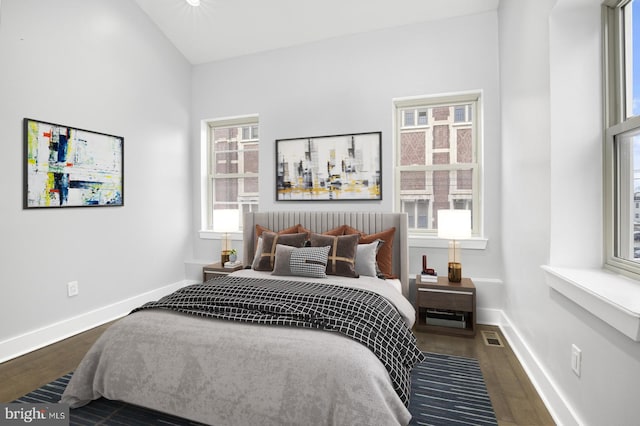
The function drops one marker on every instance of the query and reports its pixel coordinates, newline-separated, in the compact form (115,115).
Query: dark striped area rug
(449,390)
(103,411)
(445,390)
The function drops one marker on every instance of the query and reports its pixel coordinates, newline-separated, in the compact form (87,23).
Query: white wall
(103,66)
(97,65)
(551,195)
(347,85)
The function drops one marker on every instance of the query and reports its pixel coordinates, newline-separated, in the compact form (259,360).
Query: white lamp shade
(226,220)
(454,224)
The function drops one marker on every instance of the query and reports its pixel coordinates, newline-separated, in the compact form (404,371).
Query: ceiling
(220,29)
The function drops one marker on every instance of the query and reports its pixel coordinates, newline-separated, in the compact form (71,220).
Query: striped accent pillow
(302,262)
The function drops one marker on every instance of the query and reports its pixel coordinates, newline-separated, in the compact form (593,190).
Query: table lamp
(225,221)
(454,225)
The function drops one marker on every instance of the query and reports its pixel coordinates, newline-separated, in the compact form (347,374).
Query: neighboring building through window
(622,135)
(232,180)
(437,161)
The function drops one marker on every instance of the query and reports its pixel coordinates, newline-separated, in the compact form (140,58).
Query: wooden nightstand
(446,307)
(217,270)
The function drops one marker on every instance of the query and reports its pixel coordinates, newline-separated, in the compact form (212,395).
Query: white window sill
(613,298)
(206,234)
(434,242)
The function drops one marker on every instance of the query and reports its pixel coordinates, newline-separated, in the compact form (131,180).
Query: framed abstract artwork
(329,168)
(69,167)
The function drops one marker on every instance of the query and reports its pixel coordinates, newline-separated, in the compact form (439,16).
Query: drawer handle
(433,290)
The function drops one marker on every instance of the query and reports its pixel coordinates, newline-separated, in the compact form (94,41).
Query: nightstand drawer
(455,300)
(447,297)
(216,270)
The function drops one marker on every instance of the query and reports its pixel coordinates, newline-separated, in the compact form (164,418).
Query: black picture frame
(345,167)
(66,166)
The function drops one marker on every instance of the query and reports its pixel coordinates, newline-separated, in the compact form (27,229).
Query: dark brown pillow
(295,229)
(269,242)
(385,252)
(342,255)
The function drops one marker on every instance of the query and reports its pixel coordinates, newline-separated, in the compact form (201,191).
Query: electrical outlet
(576,359)
(72,288)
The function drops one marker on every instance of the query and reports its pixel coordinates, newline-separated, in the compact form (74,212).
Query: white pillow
(258,252)
(366,259)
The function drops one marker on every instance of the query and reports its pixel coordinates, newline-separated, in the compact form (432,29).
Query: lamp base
(224,256)
(455,272)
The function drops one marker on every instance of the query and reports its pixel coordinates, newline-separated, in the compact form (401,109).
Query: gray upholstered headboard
(367,222)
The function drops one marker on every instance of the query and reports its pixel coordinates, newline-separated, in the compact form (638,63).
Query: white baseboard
(52,333)
(559,408)
(489,316)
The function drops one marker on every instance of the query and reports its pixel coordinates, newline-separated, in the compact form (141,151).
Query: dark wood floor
(514,398)
(21,375)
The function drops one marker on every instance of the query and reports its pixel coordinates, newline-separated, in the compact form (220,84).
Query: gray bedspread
(229,373)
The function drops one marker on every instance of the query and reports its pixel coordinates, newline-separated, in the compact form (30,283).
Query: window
(412,117)
(232,178)
(462,114)
(249,133)
(437,160)
(622,136)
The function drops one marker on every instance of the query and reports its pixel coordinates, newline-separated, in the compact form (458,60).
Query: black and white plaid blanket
(360,314)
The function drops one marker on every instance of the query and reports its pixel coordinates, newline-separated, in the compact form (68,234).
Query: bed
(193,362)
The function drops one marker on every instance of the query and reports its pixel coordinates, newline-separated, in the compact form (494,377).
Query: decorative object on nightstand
(446,307)
(233,260)
(225,221)
(454,225)
(427,274)
(218,270)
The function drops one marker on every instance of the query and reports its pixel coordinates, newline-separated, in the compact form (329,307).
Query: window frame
(474,98)
(617,123)
(251,121)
